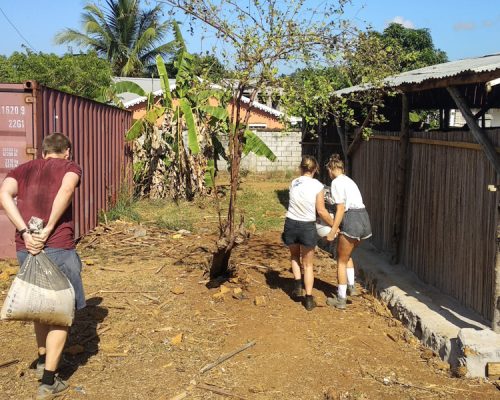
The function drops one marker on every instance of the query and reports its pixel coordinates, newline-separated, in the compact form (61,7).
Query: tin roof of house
(488,63)
(153,85)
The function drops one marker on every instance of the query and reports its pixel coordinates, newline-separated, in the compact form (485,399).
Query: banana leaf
(135,130)
(219,150)
(216,112)
(254,144)
(193,144)
(129,87)
(165,85)
(153,114)
(210,174)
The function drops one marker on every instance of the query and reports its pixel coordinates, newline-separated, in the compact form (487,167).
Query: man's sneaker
(309,303)
(63,363)
(39,369)
(337,302)
(352,291)
(46,392)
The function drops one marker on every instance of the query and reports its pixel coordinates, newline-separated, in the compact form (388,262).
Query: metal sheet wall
(16,137)
(97,132)
(449,227)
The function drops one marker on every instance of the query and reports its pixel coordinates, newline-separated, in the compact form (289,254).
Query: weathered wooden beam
(476,131)
(404,140)
(435,142)
(482,111)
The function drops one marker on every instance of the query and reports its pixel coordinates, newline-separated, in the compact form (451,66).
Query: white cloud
(402,21)
(464,26)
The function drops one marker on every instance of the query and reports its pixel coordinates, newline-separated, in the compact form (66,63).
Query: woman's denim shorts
(300,232)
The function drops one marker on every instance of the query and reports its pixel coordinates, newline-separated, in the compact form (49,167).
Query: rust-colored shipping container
(29,112)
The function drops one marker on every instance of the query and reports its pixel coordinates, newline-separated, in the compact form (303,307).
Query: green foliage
(124,208)
(208,66)
(414,46)
(367,58)
(254,144)
(307,94)
(85,75)
(126,35)
(193,142)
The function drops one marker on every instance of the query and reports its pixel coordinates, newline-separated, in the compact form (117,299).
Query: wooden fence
(449,229)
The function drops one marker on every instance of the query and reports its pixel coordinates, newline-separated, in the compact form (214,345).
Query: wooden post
(343,142)
(404,139)
(446,122)
(476,131)
(320,149)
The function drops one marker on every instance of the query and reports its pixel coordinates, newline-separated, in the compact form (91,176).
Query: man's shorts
(70,264)
(356,224)
(299,232)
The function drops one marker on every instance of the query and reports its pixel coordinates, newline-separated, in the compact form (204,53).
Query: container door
(16,147)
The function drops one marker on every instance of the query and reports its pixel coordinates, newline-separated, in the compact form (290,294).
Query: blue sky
(462,28)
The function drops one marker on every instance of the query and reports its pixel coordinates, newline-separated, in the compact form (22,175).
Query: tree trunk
(229,237)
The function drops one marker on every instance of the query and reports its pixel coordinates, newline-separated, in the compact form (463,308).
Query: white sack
(40,292)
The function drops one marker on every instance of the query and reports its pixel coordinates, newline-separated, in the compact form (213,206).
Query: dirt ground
(152,326)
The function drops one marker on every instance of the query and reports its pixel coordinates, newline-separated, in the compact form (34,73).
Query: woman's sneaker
(337,302)
(309,303)
(352,291)
(46,392)
(297,289)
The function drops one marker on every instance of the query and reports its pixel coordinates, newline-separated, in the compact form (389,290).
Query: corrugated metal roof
(153,85)
(434,72)
(147,84)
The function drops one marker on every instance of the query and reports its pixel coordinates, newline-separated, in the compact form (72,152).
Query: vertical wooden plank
(404,140)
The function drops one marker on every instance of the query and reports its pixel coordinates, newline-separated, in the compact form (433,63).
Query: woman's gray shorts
(356,224)
(70,264)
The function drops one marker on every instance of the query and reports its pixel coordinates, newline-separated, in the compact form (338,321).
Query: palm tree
(126,35)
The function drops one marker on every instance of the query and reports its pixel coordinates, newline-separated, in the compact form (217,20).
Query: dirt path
(152,324)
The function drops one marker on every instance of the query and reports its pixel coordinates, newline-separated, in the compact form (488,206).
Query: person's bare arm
(8,192)
(61,202)
(321,209)
(339,215)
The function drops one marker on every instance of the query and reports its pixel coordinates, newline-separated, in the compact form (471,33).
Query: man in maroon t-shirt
(44,188)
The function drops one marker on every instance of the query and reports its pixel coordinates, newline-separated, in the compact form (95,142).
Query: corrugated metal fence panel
(29,112)
(449,229)
(97,132)
(16,136)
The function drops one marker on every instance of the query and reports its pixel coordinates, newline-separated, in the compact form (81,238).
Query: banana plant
(183,170)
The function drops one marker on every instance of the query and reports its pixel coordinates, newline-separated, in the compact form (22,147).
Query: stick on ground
(218,390)
(8,363)
(208,367)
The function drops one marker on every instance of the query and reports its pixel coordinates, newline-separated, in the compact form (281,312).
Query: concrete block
(477,349)
(459,335)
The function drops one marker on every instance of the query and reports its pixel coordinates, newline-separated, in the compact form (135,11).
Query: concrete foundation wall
(285,145)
